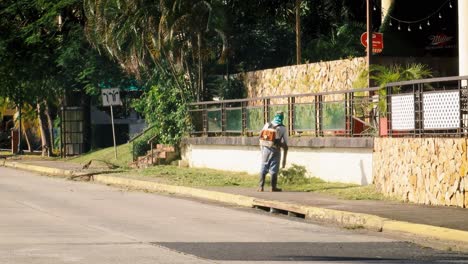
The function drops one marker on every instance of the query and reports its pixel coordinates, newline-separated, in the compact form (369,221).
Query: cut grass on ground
(201,177)
(5,153)
(124,156)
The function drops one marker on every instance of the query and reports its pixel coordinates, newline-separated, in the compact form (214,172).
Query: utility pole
(298,32)
(369,39)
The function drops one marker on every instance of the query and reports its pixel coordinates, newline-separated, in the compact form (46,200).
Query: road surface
(47,220)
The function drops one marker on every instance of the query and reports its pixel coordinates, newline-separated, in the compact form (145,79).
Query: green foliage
(58,135)
(226,88)
(340,43)
(383,75)
(296,174)
(165,106)
(42,58)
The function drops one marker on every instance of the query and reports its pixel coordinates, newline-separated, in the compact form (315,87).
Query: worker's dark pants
(270,163)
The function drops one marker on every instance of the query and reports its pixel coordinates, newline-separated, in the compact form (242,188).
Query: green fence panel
(214,120)
(304,117)
(234,120)
(334,116)
(254,118)
(197,120)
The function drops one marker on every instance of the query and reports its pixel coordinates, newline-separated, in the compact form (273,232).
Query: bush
(165,105)
(294,175)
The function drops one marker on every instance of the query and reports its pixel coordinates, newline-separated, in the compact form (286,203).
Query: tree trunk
(200,68)
(298,32)
(50,124)
(25,135)
(46,146)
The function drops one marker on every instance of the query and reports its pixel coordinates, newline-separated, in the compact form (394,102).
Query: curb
(432,232)
(452,238)
(40,169)
(233,199)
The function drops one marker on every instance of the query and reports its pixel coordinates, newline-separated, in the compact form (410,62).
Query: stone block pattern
(306,78)
(428,171)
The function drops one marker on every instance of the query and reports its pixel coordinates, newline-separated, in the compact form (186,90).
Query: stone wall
(422,170)
(306,78)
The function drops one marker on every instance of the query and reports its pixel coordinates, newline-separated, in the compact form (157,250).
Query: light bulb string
(419,20)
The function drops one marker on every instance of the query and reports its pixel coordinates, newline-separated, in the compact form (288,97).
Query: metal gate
(72,131)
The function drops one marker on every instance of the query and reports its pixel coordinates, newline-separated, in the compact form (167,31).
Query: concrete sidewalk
(442,227)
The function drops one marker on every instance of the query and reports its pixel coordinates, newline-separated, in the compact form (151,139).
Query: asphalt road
(48,220)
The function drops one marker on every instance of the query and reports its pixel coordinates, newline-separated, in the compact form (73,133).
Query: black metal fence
(436,106)
(71,131)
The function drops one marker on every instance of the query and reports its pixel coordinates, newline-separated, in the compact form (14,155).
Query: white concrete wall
(347,165)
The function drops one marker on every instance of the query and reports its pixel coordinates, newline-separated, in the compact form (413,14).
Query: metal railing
(132,140)
(406,108)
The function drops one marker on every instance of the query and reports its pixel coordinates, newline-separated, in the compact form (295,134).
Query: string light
(438,12)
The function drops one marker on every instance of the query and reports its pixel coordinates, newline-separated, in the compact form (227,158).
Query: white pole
(463,39)
(113,132)
(386,4)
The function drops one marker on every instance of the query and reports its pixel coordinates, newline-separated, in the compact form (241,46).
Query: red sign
(377,41)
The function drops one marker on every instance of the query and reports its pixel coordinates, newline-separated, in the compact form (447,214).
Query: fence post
(462,104)
(205,120)
(388,110)
(244,118)
(266,113)
(320,115)
(223,119)
(420,110)
(316,115)
(349,113)
(291,117)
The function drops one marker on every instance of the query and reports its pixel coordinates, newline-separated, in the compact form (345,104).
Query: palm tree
(141,34)
(383,75)
(188,28)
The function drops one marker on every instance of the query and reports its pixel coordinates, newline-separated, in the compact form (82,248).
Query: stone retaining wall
(422,170)
(306,78)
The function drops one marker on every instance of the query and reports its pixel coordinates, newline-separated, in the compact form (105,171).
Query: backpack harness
(268,136)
